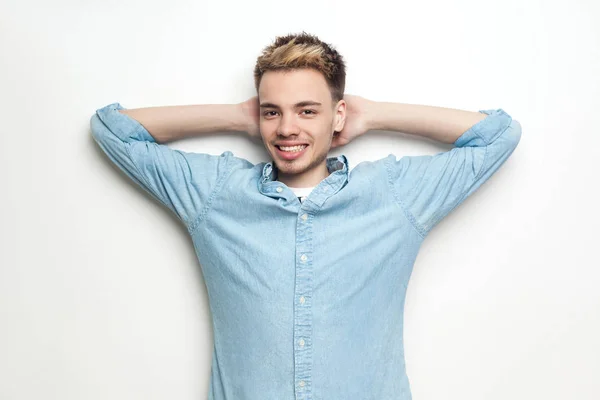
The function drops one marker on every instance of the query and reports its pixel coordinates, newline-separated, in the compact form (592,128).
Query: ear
(339,115)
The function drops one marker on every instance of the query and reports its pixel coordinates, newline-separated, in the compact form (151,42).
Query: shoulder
(371,169)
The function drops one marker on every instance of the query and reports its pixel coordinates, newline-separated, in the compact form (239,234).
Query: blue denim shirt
(307,299)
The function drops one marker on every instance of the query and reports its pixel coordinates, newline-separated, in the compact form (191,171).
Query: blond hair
(297,51)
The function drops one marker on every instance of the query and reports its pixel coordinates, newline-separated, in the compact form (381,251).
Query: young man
(306,263)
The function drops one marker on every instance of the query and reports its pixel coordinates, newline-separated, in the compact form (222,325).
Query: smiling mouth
(292,149)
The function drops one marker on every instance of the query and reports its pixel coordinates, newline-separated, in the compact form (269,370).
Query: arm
(169,123)
(437,123)
(429,187)
(184,182)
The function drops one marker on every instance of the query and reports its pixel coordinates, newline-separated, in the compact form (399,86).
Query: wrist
(371,116)
(239,121)
(246,117)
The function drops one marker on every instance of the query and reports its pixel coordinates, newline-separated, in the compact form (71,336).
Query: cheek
(267,129)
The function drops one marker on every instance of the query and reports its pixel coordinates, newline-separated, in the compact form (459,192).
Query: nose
(287,126)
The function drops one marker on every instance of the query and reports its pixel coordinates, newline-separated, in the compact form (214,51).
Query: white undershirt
(302,192)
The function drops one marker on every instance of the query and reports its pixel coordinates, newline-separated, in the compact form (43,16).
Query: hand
(357,120)
(251,116)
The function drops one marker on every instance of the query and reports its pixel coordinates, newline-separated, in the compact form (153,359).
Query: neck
(307,178)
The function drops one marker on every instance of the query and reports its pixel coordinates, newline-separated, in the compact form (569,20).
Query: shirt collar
(338,168)
(334,164)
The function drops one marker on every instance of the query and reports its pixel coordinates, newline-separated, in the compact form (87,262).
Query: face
(296,109)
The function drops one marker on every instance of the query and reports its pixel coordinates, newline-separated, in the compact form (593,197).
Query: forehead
(288,87)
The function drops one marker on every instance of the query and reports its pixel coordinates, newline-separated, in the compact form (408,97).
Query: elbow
(94,128)
(514,132)
(97,127)
(100,132)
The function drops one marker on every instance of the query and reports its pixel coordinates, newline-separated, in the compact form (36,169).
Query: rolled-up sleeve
(182,181)
(429,187)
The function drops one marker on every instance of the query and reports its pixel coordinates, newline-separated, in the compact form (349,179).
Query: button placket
(303,307)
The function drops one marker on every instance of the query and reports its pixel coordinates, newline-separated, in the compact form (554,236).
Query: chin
(300,165)
(291,167)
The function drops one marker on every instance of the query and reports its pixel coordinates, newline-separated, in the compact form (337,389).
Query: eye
(311,111)
(266,113)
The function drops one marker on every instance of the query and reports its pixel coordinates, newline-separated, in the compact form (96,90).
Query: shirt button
(304,216)
(301,383)
(302,300)
(303,257)
(279,189)
(301,342)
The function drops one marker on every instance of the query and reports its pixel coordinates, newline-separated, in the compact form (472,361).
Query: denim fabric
(307,298)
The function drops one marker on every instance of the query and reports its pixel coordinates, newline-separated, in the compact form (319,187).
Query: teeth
(293,148)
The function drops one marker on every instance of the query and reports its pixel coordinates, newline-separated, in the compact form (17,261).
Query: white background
(101,296)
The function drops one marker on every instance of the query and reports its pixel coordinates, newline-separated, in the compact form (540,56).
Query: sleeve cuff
(485,131)
(123,126)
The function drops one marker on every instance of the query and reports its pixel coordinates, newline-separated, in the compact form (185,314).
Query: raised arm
(438,123)
(169,123)
(182,181)
(429,187)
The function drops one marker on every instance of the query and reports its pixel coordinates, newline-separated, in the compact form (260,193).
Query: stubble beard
(291,167)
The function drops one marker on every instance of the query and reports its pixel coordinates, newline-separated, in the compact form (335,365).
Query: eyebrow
(297,105)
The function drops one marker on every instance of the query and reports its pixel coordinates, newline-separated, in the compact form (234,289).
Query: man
(306,263)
